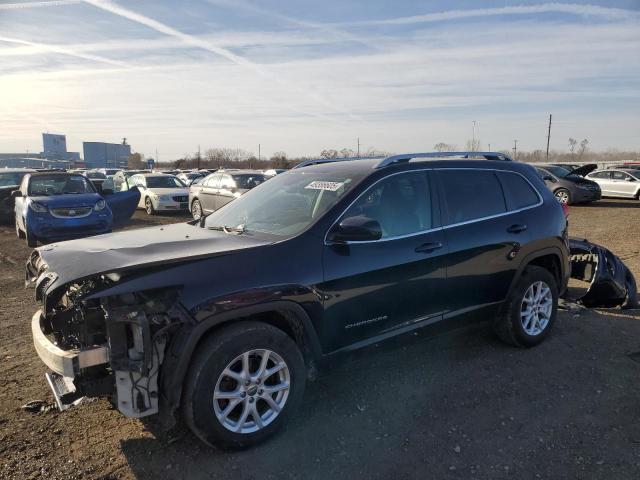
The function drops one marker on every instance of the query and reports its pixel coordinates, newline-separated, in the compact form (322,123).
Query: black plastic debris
(611,283)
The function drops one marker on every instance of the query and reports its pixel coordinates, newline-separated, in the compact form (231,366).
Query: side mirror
(548,178)
(355,229)
(629,179)
(16,194)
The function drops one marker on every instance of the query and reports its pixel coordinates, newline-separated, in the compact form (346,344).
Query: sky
(302,76)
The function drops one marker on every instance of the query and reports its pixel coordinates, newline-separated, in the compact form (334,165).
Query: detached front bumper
(66,364)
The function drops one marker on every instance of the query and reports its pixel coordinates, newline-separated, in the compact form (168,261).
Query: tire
(32,240)
(513,326)
(148,206)
(196,209)
(563,196)
(19,233)
(224,351)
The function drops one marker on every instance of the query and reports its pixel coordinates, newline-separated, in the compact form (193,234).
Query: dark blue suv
(226,317)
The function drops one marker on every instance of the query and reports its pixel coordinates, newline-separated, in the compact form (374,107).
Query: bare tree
(444,147)
(584,145)
(473,145)
(330,153)
(136,161)
(572,145)
(279,160)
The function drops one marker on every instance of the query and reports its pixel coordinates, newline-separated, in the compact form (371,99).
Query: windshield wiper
(239,230)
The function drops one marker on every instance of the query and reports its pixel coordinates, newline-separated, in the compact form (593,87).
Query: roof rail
(319,161)
(405,157)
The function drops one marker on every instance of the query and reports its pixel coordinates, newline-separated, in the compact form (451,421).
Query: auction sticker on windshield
(331,186)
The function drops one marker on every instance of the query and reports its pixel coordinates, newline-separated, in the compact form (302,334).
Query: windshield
(48,185)
(248,181)
(285,205)
(95,175)
(164,182)
(559,172)
(11,178)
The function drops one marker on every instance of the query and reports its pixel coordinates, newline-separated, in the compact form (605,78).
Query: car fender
(526,261)
(183,346)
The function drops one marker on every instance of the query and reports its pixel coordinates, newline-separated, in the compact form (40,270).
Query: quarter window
(517,191)
(471,194)
(400,203)
(620,176)
(600,175)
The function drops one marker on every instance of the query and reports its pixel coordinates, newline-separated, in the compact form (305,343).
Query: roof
(16,170)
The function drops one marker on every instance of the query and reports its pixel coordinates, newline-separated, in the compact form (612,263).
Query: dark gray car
(220,188)
(567,186)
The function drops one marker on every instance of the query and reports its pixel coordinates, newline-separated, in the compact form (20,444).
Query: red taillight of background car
(565,209)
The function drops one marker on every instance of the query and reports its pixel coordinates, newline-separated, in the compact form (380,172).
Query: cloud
(211,47)
(608,13)
(23,5)
(64,50)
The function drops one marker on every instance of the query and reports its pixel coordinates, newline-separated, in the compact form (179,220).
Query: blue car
(51,206)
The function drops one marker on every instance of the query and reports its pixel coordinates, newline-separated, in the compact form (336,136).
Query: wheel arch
(287,316)
(548,258)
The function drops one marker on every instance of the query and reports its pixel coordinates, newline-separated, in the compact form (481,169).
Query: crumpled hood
(68,200)
(116,252)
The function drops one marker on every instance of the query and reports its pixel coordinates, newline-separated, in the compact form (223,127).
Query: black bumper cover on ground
(611,283)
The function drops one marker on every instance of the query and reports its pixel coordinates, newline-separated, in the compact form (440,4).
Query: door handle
(428,247)
(516,228)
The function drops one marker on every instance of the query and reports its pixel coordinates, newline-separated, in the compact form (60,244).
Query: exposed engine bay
(118,341)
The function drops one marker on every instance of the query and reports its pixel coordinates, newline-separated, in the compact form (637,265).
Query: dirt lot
(461,405)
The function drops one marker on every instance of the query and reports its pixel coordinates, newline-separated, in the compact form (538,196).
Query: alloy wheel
(251,391)
(536,308)
(196,210)
(562,196)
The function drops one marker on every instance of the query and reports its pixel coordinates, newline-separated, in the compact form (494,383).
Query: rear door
(484,233)
(208,192)
(603,179)
(377,288)
(227,190)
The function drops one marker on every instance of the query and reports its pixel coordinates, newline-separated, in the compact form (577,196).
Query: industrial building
(54,147)
(106,155)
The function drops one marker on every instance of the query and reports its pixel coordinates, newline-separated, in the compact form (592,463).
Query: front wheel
(563,196)
(148,206)
(530,311)
(244,382)
(32,240)
(19,232)
(196,210)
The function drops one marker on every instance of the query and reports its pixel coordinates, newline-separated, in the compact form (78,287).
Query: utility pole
(489,147)
(358,147)
(157,159)
(473,143)
(258,152)
(198,157)
(515,149)
(548,137)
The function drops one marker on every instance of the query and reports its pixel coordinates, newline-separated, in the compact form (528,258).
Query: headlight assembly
(38,207)
(100,204)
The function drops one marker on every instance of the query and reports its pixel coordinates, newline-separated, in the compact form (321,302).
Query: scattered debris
(38,406)
(611,283)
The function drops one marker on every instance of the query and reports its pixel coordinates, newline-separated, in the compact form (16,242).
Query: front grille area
(74,212)
(181,198)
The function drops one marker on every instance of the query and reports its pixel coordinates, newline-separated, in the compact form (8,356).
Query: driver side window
(400,203)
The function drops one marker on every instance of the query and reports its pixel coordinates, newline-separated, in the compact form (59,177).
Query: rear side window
(619,176)
(471,194)
(517,191)
(600,175)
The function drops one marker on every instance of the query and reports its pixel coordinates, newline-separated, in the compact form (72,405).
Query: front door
(226,192)
(374,289)
(623,184)
(208,192)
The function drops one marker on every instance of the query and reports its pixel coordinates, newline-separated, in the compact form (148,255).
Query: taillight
(565,209)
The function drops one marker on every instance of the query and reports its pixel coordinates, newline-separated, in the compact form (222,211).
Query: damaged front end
(611,283)
(103,346)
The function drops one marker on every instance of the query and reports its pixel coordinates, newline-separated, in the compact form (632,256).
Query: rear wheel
(563,196)
(196,210)
(530,311)
(148,206)
(243,383)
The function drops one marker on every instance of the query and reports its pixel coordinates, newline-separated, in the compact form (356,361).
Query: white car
(160,192)
(617,182)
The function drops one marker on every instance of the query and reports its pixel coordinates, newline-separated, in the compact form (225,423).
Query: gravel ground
(461,405)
